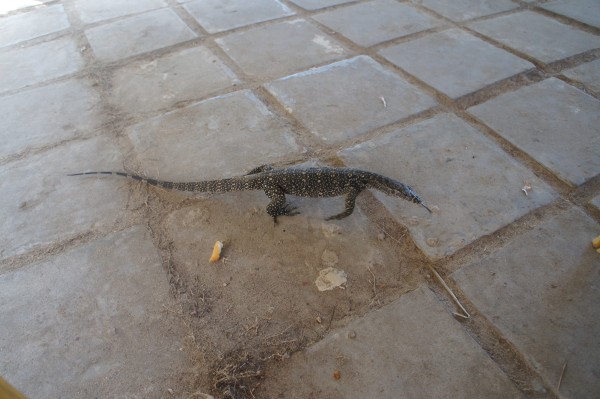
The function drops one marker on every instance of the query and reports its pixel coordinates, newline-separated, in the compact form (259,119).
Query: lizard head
(395,188)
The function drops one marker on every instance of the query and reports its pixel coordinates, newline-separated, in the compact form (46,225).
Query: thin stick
(466,315)
(330,319)
(278,334)
(375,296)
(289,341)
(235,378)
(562,373)
(389,235)
(180,314)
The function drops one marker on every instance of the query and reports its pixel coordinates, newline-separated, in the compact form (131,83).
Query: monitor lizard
(316,182)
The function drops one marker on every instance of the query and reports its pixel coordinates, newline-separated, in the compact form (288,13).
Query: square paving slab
(316,4)
(542,291)
(463,10)
(62,110)
(220,137)
(184,75)
(11,5)
(553,122)
(538,36)
(20,67)
(97,10)
(98,311)
(281,49)
(394,352)
(474,186)
(374,22)
(138,34)
(588,74)
(344,100)
(40,22)
(586,11)
(221,15)
(455,62)
(41,205)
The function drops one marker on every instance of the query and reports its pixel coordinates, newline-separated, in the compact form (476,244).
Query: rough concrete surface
(541,131)
(586,11)
(368,24)
(93,11)
(588,74)
(61,57)
(65,110)
(551,313)
(31,25)
(471,63)
(118,285)
(137,34)
(212,133)
(487,109)
(596,202)
(462,10)
(218,15)
(316,4)
(298,44)
(42,206)
(538,36)
(150,85)
(355,88)
(8,6)
(391,339)
(445,155)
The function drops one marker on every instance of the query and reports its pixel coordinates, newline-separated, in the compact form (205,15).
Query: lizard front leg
(278,205)
(349,203)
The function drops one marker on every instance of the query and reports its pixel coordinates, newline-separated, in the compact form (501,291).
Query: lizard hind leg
(278,205)
(349,203)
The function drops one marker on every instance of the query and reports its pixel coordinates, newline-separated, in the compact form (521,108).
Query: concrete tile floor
(504,146)
(469,65)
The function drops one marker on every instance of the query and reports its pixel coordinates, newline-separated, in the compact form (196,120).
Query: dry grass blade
(466,314)
(562,373)
(235,377)
(238,377)
(239,372)
(375,296)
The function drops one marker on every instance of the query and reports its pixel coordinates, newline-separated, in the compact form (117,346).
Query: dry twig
(466,314)
(389,235)
(330,320)
(375,296)
(562,373)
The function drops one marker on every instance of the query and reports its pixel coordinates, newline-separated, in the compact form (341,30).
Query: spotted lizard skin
(315,182)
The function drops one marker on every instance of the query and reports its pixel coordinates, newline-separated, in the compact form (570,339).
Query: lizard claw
(289,210)
(286,210)
(337,217)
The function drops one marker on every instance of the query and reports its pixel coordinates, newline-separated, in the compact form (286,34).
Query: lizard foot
(286,210)
(289,210)
(338,216)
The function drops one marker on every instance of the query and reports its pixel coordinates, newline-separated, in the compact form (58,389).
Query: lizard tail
(153,182)
(210,186)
